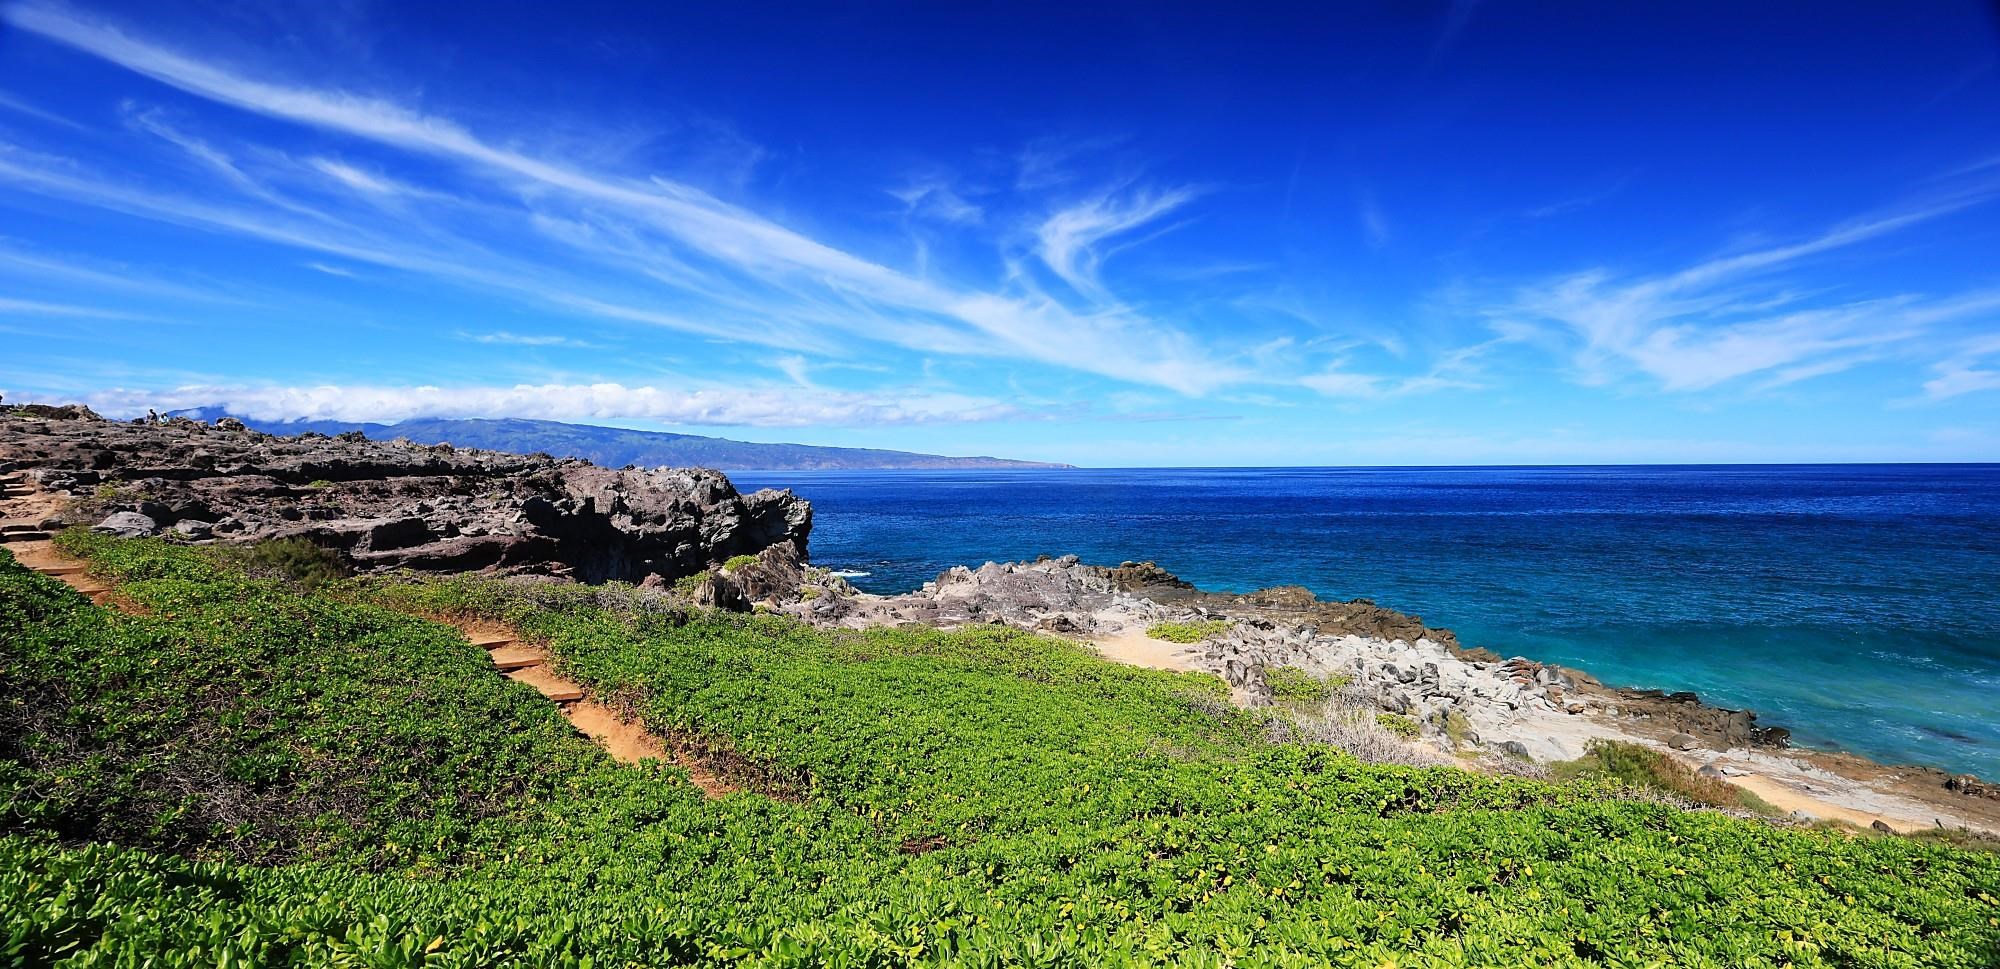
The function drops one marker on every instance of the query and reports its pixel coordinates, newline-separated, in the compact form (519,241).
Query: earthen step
(492,642)
(24,537)
(20,527)
(550,685)
(61,569)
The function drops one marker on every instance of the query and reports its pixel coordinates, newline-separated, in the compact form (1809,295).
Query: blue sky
(1382,233)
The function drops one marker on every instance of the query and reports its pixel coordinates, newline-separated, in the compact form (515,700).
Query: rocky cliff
(396,504)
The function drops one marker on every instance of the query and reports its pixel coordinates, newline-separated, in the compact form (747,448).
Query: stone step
(508,661)
(492,642)
(24,537)
(61,569)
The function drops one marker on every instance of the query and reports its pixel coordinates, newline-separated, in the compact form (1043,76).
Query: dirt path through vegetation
(23,507)
(626,742)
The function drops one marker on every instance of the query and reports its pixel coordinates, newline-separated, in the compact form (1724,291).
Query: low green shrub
(738,561)
(1399,725)
(1289,684)
(1188,632)
(1642,766)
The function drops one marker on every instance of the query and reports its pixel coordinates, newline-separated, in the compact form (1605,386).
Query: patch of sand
(1133,647)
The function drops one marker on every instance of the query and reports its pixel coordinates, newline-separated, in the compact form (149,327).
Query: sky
(1113,234)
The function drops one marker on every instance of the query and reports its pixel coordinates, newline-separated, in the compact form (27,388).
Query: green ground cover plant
(246,774)
(1188,632)
(1289,684)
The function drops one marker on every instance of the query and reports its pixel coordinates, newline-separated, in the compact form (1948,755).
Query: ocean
(1858,605)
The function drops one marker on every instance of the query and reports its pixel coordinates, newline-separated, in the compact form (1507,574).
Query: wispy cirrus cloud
(1068,239)
(764,270)
(28,307)
(506,338)
(1973,368)
(1738,316)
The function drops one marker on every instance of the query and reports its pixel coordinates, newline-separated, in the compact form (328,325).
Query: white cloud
(1729,318)
(355,178)
(935,198)
(753,407)
(1970,370)
(1068,239)
(807,284)
(506,338)
(15,104)
(25,307)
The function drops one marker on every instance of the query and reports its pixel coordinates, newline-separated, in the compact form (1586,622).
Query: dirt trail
(626,742)
(23,507)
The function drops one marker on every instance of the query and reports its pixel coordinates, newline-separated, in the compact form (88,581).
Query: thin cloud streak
(725,234)
(1722,320)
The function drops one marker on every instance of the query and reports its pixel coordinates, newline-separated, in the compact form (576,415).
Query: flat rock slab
(552,686)
(518,658)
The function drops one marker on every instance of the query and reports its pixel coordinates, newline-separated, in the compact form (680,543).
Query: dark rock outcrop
(394,504)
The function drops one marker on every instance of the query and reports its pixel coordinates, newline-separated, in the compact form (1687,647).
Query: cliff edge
(395,504)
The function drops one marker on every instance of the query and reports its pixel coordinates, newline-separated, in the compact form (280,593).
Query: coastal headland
(384,506)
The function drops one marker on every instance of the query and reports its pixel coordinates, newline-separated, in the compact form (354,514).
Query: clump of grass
(107,491)
(1457,729)
(1361,736)
(297,561)
(738,561)
(1188,632)
(1399,725)
(1294,685)
(1642,766)
(319,484)
(1965,838)
(688,585)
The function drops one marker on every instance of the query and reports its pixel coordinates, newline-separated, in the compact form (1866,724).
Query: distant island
(616,446)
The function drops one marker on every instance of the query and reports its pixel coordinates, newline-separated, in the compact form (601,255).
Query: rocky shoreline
(394,505)
(1471,703)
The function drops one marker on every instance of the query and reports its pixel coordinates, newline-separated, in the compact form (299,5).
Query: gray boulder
(127,524)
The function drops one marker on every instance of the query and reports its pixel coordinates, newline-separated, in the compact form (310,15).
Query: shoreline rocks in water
(394,504)
(1399,664)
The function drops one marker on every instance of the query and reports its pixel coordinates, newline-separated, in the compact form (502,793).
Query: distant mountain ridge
(615,446)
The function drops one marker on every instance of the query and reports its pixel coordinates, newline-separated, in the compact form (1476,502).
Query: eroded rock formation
(394,504)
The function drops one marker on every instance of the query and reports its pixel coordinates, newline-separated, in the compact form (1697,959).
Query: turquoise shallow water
(1858,605)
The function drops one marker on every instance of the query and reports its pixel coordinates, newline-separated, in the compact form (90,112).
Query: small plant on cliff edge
(688,585)
(1457,729)
(738,561)
(1399,725)
(1294,685)
(1645,767)
(1187,632)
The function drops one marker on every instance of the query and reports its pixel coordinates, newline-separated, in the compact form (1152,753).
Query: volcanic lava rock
(394,504)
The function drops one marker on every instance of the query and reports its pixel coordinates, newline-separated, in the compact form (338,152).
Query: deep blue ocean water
(1858,605)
